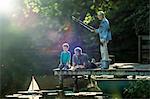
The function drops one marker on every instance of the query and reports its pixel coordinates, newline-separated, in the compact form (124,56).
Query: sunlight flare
(7,6)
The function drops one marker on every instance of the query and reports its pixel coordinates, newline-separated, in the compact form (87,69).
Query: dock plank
(142,72)
(122,69)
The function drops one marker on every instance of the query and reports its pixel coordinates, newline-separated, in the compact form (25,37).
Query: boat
(33,91)
(117,84)
(33,88)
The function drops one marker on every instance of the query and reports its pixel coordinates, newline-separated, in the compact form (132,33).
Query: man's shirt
(104,30)
(80,59)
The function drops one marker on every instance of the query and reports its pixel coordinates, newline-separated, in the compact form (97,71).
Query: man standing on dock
(105,36)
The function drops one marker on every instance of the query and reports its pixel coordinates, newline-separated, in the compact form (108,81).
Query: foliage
(128,19)
(138,89)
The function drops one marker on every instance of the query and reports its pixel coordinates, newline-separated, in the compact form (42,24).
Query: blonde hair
(65,45)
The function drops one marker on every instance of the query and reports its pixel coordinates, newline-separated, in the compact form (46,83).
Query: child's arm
(69,60)
(73,61)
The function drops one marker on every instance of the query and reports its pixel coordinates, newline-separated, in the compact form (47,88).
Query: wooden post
(76,84)
(134,76)
(139,48)
(89,79)
(60,80)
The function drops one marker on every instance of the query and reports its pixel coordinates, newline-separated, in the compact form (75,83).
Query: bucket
(105,64)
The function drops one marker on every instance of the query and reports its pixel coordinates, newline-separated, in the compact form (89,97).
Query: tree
(128,19)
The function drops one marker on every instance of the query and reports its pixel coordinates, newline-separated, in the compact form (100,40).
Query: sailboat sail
(33,85)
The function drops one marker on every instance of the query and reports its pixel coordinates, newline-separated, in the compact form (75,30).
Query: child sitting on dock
(79,60)
(65,57)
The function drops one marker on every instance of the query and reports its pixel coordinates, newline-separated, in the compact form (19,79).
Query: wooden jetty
(117,69)
(142,72)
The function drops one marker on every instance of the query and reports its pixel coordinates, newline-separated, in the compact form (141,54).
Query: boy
(79,60)
(65,57)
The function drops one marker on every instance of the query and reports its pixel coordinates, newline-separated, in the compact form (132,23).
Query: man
(79,60)
(105,37)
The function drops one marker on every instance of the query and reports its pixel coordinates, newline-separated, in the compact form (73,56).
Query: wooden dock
(117,69)
(142,72)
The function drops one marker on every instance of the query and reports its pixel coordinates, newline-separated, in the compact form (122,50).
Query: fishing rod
(90,28)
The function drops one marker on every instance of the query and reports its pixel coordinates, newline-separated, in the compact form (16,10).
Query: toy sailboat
(33,85)
(33,88)
(33,91)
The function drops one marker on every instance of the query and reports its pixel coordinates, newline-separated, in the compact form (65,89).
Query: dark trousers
(63,66)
